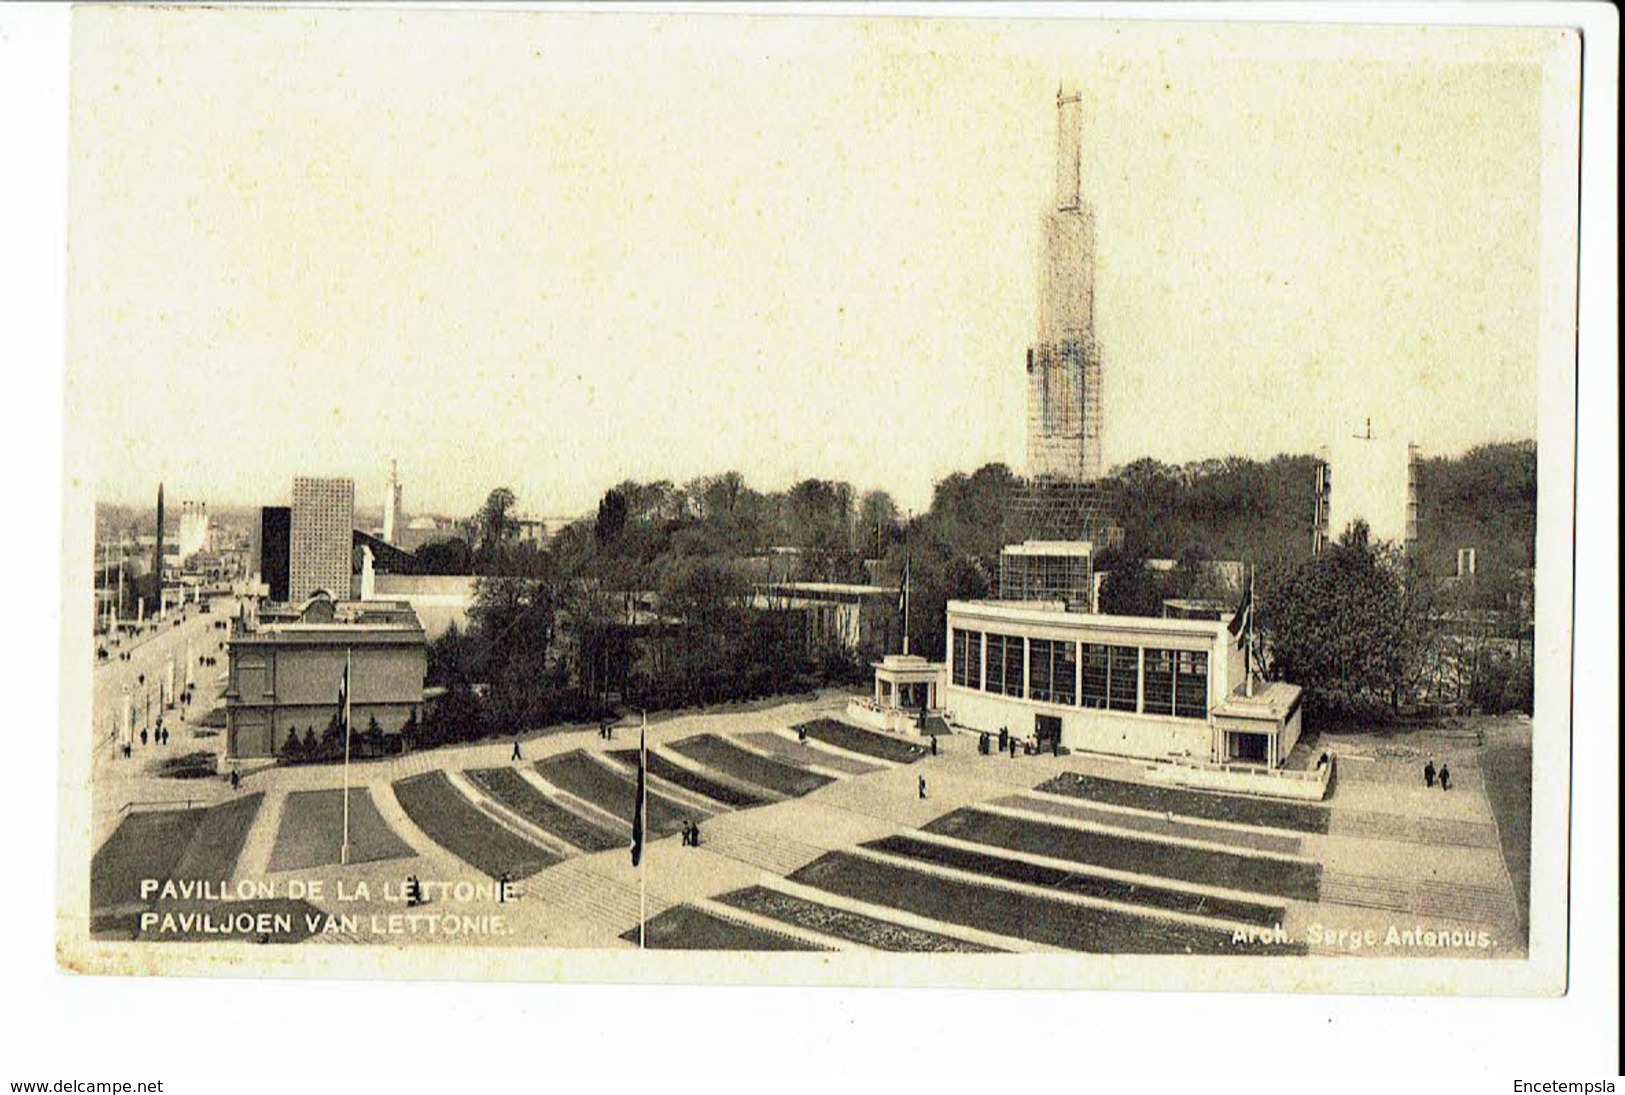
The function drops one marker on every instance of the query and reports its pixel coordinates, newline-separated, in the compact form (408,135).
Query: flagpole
(643,827)
(1252,610)
(344,848)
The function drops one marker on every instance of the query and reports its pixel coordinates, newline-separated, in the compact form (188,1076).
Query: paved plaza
(814,835)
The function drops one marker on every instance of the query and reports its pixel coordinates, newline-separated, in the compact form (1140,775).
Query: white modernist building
(1168,689)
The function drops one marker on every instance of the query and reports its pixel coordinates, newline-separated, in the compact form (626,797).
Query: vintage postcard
(801,498)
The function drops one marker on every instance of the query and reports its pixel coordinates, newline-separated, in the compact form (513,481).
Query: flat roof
(1270,700)
(1049,547)
(1054,614)
(851,588)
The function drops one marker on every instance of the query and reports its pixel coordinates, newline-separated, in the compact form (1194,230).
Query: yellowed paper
(920,454)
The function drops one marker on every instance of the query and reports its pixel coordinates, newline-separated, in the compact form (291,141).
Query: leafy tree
(448,556)
(1337,627)
(612,510)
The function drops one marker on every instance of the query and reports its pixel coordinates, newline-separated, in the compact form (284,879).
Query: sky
(557,251)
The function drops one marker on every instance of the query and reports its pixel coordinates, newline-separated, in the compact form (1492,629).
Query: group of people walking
(1440,775)
(691,834)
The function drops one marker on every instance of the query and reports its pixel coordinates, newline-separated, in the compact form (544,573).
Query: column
(1026,674)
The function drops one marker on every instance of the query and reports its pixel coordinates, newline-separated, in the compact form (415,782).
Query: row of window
(1175,681)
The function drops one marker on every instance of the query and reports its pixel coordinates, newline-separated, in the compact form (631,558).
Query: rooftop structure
(1049,570)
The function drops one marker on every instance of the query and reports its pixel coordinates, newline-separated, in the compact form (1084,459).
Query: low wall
(867,713)
(1308,786)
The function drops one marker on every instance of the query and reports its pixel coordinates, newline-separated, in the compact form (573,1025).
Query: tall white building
(194,529)
(321,531)
(1064,410)
(1365,476)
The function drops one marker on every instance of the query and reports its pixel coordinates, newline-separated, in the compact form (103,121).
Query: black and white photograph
(800,498)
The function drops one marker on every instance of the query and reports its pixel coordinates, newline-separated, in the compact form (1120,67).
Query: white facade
(1371,479)
(1124,685)
(194,529)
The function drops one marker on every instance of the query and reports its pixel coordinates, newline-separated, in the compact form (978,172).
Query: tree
(494,525)
(449,556)
(1338,627)
(877,521)
(612,509)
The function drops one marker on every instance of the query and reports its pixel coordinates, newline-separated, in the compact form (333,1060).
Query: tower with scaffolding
(1063,497)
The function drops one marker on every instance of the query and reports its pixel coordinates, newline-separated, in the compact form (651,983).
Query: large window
(1052,670)
(1190,684)
(1004,668)
(1176,683)
(1096,674)
(1123,693)
(1064,676)
(967,658)
(1159,682)
(1038,668)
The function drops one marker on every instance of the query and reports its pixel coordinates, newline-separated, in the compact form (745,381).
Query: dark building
(271,549)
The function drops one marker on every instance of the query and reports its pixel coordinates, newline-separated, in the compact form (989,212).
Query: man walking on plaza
(1444,777)
(516,757)
(1428,773)
(922,786)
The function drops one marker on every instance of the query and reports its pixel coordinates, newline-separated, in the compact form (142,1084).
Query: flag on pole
(902,594)
(639,804)
(1241,623)
(344,694)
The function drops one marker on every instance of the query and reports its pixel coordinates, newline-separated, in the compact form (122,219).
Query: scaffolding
(1046,508)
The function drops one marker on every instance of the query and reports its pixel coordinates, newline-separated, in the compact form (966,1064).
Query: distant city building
(424,530)
(194,529)
(1064,408)
(440,601)
(1049,570)
(856,618)
(320,537)
(271,550)
(1365,477)
(285,671)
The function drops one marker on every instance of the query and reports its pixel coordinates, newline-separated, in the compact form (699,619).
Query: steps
(587,898)
(1452,901)
(1414,830)
(776,854)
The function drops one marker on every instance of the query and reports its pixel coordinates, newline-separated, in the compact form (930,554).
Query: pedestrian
(801,733)
(933,745)
(1444,777)
(236,781)
(516,755)
(687,838)
(1428,773)
(922,786)
(1325,759)
(694,835)
(126,750)
(143,735)
(1004,738)
(502,887)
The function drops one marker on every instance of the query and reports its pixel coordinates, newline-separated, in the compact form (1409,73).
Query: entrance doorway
(1047,729)
(1249,748)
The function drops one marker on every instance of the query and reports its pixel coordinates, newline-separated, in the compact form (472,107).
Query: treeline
(651,605)
(649,602)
